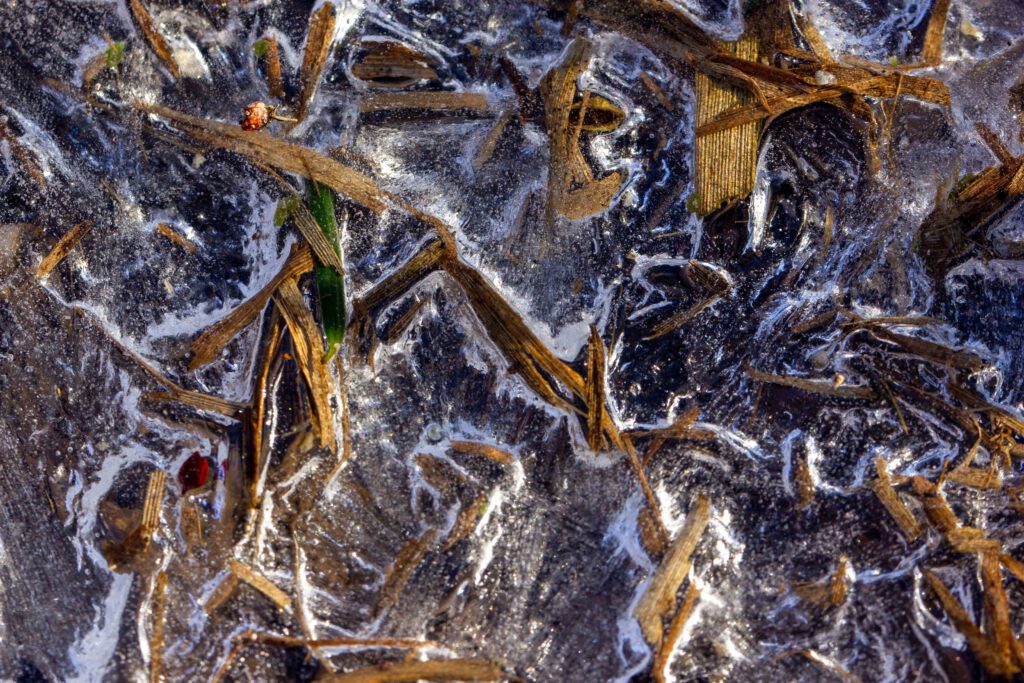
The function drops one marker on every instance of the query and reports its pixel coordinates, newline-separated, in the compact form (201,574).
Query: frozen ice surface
(549,577)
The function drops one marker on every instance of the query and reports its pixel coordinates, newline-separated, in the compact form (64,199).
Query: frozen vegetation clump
(565,340)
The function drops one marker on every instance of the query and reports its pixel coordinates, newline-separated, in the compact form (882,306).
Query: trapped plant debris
(530,340)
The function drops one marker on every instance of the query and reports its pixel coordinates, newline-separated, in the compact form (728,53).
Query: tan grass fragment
(173,235)
(221,593)
(319,35)
(595,389)
(681,317)
(490,142)
(24,157)
(151,508)
(726,160)
(435,670)
(983,648)
(816,386)
(831,593)
(156,634)
(261,583)
(483,450)
(275,81)
(210,343)
(198,400)
(679,429)
(890,500)
(805,484)
(466,521)
(249,636)
(309,349)
(390,64)
(656,90)
(153,37)
(831,665)
(568,168)
(64,245)
(931,53)
(660,596)
(435,100)
(997,610)
(402,569)
(675,630)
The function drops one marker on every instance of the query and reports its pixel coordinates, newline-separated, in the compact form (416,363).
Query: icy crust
(553,568)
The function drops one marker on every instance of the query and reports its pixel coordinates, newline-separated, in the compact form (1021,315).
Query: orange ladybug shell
(255,116)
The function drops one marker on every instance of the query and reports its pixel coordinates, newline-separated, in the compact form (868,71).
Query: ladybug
(258,115)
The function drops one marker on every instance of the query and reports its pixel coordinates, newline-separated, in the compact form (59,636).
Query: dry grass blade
(816,386)
(389,64)
(25,159)
(264,148)
(978,477)
(595,389)
(275,81)
(173,235)
(995,144)
(805,484)
(997,610)
(191,525)
(830,665)
(675,630)
(466,522)
(493,136)
(1012,565)
(257,416)
(930,350)
(261,583)
(198,400)
(483,450)
(151,508)
(434,100)
(211,342)
(529,356)
(64,245)
(568,167)
(221,593)
(436,670)
(153,37)
(318,43)
(402,569)
(905,520)
(681,317)
(250,636)
(121,555)
(831,593)
(983,648)
(412,271)
(726,160)
(805,22)
(935,505)
(309,350)
(931,53)
(156,635)
(970,540)
(815,322)
(520,346)
(677,430)
(865,83)
(656,90)
(399,327)
(660,596)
